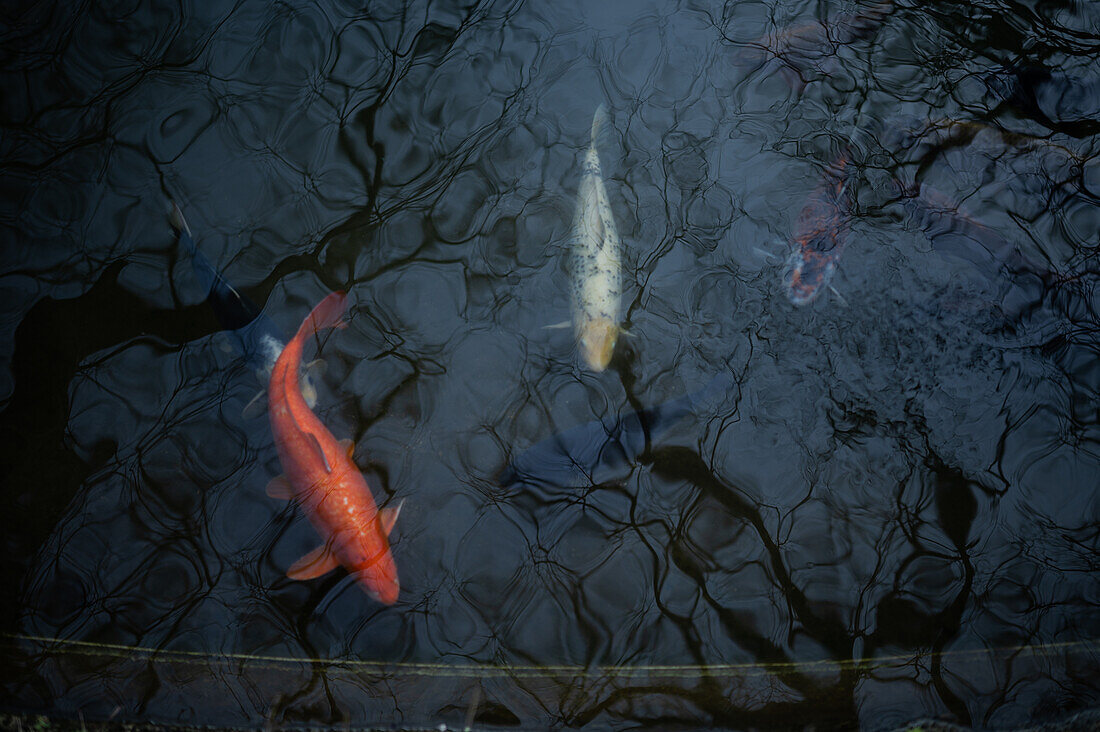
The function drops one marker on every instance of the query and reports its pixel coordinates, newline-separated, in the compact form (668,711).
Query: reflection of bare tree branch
(809,49)
(681,464)
(415,136)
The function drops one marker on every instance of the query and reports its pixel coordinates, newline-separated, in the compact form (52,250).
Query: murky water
(874,507)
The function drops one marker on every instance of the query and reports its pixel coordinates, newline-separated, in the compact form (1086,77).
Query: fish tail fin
(175,217)
(951,229)
(329,313)
(599,119)
(600,124)
(867,22)
(206,274)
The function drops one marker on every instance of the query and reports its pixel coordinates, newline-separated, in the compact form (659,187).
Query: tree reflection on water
(888,514)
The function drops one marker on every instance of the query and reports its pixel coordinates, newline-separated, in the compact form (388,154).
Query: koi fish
(813,46)
(955,232)
(923,139)
(820,234)
(594,452)
(322,478)
(1015,280)
(595,258)
(256,337)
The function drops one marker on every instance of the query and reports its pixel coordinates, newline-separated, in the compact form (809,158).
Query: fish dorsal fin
(280,488)
(312,440)
(348,446)
(601,232)
(603,135)
(318,562)
(388,517)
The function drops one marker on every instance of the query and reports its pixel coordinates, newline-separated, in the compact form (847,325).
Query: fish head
(808,271)
(597,342)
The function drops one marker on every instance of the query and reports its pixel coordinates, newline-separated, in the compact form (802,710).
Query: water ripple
(886,512)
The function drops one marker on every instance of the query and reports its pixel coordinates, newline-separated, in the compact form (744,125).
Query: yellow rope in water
(121,651)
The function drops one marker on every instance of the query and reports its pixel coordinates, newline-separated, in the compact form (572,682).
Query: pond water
(863,497)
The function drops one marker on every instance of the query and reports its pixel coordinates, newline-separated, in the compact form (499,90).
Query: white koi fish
(596,266)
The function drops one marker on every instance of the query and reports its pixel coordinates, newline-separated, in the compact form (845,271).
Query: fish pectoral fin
(348,445)
(318,562)
(766,255)
(256,406)
(839,297)
(280,489)
(175,216)
(312,440)
(316,367)
(388,517)
(555,326)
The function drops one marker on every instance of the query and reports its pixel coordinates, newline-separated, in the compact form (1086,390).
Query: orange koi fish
(322,478)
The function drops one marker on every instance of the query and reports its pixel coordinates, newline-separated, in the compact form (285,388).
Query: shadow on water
(39,466)
(862,498)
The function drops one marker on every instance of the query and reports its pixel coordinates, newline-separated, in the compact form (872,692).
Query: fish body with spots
(596,267)
(321,477)
(820,233)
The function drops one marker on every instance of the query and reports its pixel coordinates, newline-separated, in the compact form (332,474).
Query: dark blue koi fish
(820,234)
(598,451)
(1018,281)
(955,232)
(255,336)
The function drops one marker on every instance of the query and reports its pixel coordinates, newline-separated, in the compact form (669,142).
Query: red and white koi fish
(322,478)
(820,234)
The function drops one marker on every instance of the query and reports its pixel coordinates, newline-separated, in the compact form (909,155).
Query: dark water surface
(873,508)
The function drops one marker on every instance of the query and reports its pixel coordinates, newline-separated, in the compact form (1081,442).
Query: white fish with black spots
(596,266)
